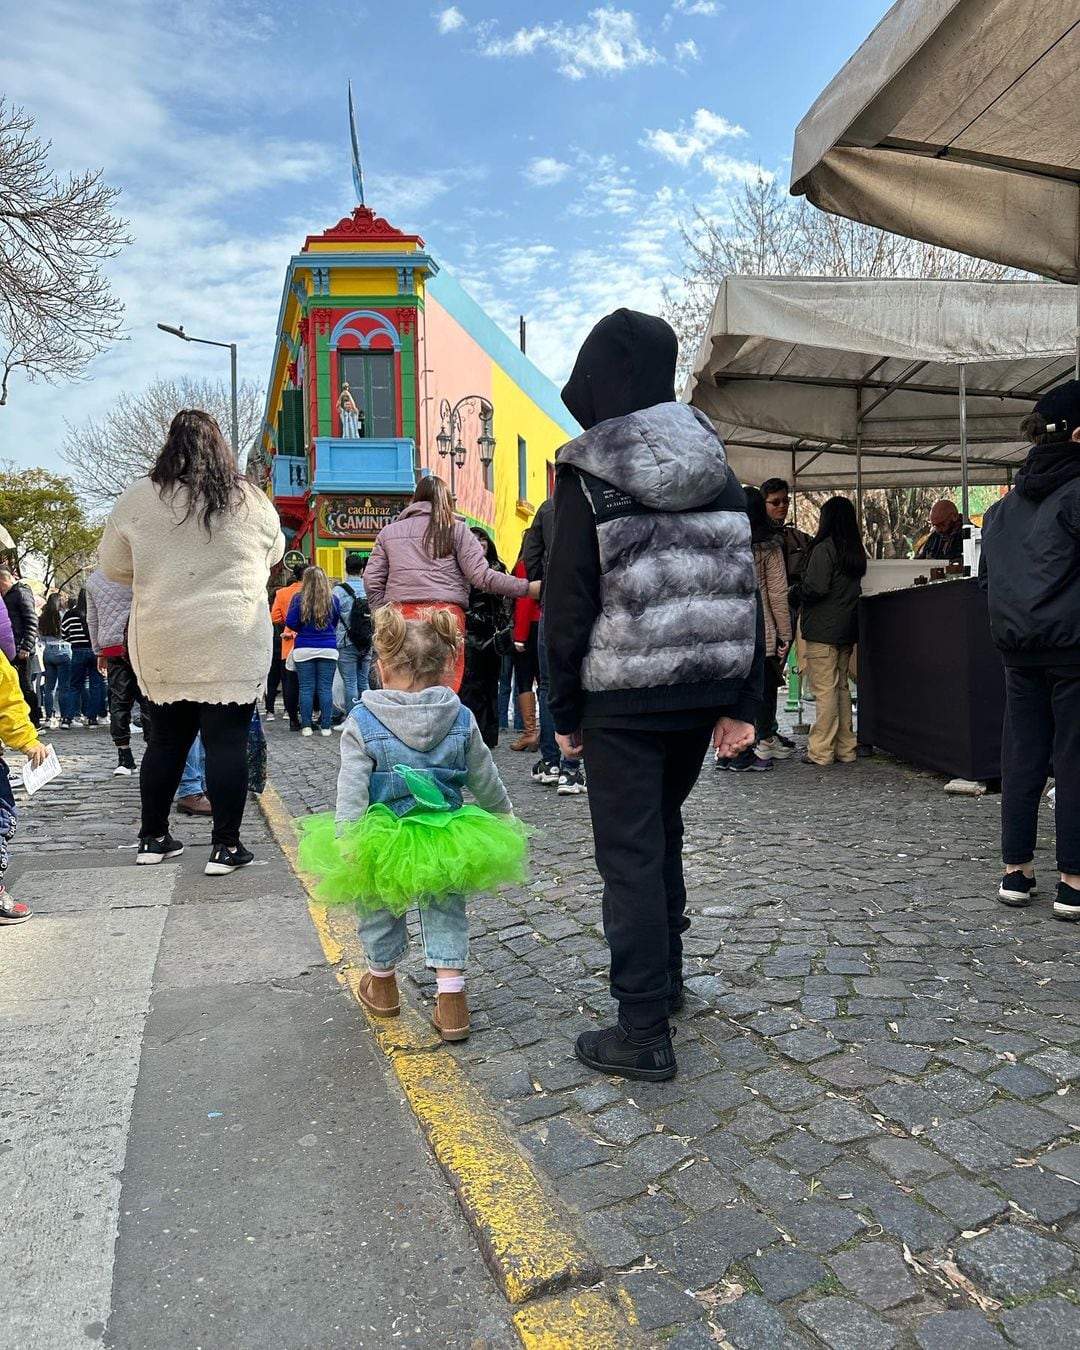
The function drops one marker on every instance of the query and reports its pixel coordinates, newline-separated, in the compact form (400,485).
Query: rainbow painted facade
(366,306)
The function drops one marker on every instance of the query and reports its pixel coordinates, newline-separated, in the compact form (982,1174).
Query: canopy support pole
(964,484)
(1076,365)
(858,457)
(794,492)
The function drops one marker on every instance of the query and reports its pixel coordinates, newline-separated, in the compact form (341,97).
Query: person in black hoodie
(655,645)
(1030,570)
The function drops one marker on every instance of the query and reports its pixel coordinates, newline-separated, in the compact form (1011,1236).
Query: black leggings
(527,663)
(173,728)
(1042,724)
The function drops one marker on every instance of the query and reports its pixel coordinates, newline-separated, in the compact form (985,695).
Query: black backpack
(359,629)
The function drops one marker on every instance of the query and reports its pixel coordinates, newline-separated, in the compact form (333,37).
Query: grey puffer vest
(678,585)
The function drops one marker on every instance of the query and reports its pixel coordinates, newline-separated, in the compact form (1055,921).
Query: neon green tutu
(386,861)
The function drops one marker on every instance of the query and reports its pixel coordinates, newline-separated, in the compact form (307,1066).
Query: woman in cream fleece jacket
(196,543)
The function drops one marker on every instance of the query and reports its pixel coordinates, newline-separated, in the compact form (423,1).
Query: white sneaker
(306,731)
(773,748)
(269,717)
(326,731)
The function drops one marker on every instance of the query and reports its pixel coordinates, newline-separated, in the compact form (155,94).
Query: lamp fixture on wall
(449,439)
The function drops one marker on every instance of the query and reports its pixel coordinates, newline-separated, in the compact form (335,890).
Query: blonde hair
(316,602)
(423,647)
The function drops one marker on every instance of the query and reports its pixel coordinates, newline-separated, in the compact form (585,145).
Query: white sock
(381,974)
(451,984)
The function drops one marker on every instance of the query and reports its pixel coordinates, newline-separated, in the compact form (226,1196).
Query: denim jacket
(428,730)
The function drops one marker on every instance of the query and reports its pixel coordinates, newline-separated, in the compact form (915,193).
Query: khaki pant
(831,736)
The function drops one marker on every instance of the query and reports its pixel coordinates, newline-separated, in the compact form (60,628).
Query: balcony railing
(375,465)
(291,476)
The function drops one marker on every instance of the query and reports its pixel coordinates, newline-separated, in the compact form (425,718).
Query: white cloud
(687,51)
(450,19)
(705,9)
(544,171)
(608,44)
(688,143)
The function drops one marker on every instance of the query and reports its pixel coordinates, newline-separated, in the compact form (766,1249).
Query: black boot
(629,1054)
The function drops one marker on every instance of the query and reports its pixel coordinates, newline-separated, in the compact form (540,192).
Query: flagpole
(357,170)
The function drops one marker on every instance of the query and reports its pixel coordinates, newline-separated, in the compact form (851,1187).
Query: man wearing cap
(1030,570)
(945,542)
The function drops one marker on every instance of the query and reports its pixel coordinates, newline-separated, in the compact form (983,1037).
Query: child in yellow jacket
(18,731)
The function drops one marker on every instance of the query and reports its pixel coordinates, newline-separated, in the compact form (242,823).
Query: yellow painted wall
(517,415)
(363,281)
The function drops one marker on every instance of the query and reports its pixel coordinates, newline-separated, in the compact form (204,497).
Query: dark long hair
(839,523)
(488,545)
(78,605)
(439,535)
(50,616)
(195,456)
(762,530)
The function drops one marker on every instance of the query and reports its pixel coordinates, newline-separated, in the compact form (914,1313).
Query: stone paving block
(696,1336)
(721,1091)
(850,1071)
(926,1031)
(1048,1322)
(758,1123)
(621,1125)
(784,1273)
(905,1059)
(964,1057)
(846,961)
(750,1323)
(561,1148)
(1012,1261)
(691,1119)
(804,1046)
(725,1150)
(820,1225)
(1023,1127)
(612,1241)
(844,1325)
(958,1090)
(786,1089)
(743,1055)
(907,1161)
(658,1302)
(1046,1196)
(1058,1063)
(652,1215)
(536,1107)
(878,987)
(841,1123)
(701,1186)
(961,1330)
(818,1009)
(771,1184)
(806,1154)
(969,1146)
(1023,1081)
(876,1273)
(1065,1161)
(702,1251)
(913,1223)
(964,1202)
(596,1096)
(595,1187)
(657,1154)
(908,1105)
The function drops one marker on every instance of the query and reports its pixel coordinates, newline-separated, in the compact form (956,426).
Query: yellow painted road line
(527,1238)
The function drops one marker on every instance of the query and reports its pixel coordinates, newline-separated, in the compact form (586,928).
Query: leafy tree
(767,233)
(57,309)
(42,513)
(106,456)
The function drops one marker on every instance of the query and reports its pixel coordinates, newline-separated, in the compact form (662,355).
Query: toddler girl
(401,837)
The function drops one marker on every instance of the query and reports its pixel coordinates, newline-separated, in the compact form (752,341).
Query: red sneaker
(11,911)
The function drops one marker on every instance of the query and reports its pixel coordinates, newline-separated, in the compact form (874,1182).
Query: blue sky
(546,151)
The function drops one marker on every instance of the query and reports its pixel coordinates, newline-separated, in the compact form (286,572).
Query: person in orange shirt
(290,688)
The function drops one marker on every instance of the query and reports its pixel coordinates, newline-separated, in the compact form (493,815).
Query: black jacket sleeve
(571,599)
(747,707)
(23,614)
(538,542)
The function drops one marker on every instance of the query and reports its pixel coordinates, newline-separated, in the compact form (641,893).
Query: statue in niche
(350,415)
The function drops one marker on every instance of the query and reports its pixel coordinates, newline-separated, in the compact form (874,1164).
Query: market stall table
(931,681)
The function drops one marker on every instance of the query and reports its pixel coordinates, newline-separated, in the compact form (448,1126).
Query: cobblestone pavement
(871,1140)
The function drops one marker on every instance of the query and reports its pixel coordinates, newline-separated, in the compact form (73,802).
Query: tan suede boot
(379,995)
(451,1017)
(530,737)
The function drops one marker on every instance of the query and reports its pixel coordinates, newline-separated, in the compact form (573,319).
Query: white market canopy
(956,123)
(809,378)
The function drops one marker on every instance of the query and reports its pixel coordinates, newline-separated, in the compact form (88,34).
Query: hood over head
(421,720)
(625,364)
(1047,468)
(669,457)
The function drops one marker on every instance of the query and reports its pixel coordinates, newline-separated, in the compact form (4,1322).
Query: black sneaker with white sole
(543,772)
(153,850)
(225,860)
(621,1052)
(571,783)
(125,765)
(1066,902)
(1016,889)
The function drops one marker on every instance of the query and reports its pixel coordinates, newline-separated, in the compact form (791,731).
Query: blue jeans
(57,680)
(549,746)
(444,932)
(193,783)
(354,670)
(87,689)
(317,673)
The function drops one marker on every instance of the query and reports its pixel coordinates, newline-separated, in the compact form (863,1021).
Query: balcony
(363,465)
(290,476)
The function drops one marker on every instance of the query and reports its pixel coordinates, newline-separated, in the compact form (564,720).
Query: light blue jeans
(355,670)
(444,932)
(318,673)
(193,783)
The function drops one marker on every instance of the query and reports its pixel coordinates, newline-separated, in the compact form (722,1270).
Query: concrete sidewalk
(200,1142)
(871,1140)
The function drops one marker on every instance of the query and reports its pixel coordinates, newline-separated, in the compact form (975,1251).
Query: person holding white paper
(17,731)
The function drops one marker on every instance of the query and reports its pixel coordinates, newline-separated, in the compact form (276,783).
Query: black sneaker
(294,726)
(225,860)
(543,772)
(1016,889)
(1066,902)
(617,1051)
(153,850)
(571,783)
(125,765)
(785,741)
(677,997)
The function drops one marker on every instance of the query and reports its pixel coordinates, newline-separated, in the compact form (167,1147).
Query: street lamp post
(450,430)
(208,342)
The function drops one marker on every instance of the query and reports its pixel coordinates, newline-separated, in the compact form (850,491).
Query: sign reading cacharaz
(359,517)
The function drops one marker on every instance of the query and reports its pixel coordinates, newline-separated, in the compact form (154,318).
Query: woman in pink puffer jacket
(429,559)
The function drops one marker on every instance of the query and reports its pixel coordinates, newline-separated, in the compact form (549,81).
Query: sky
(547,153)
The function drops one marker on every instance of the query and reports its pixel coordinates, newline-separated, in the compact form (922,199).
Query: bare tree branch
(57,309)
